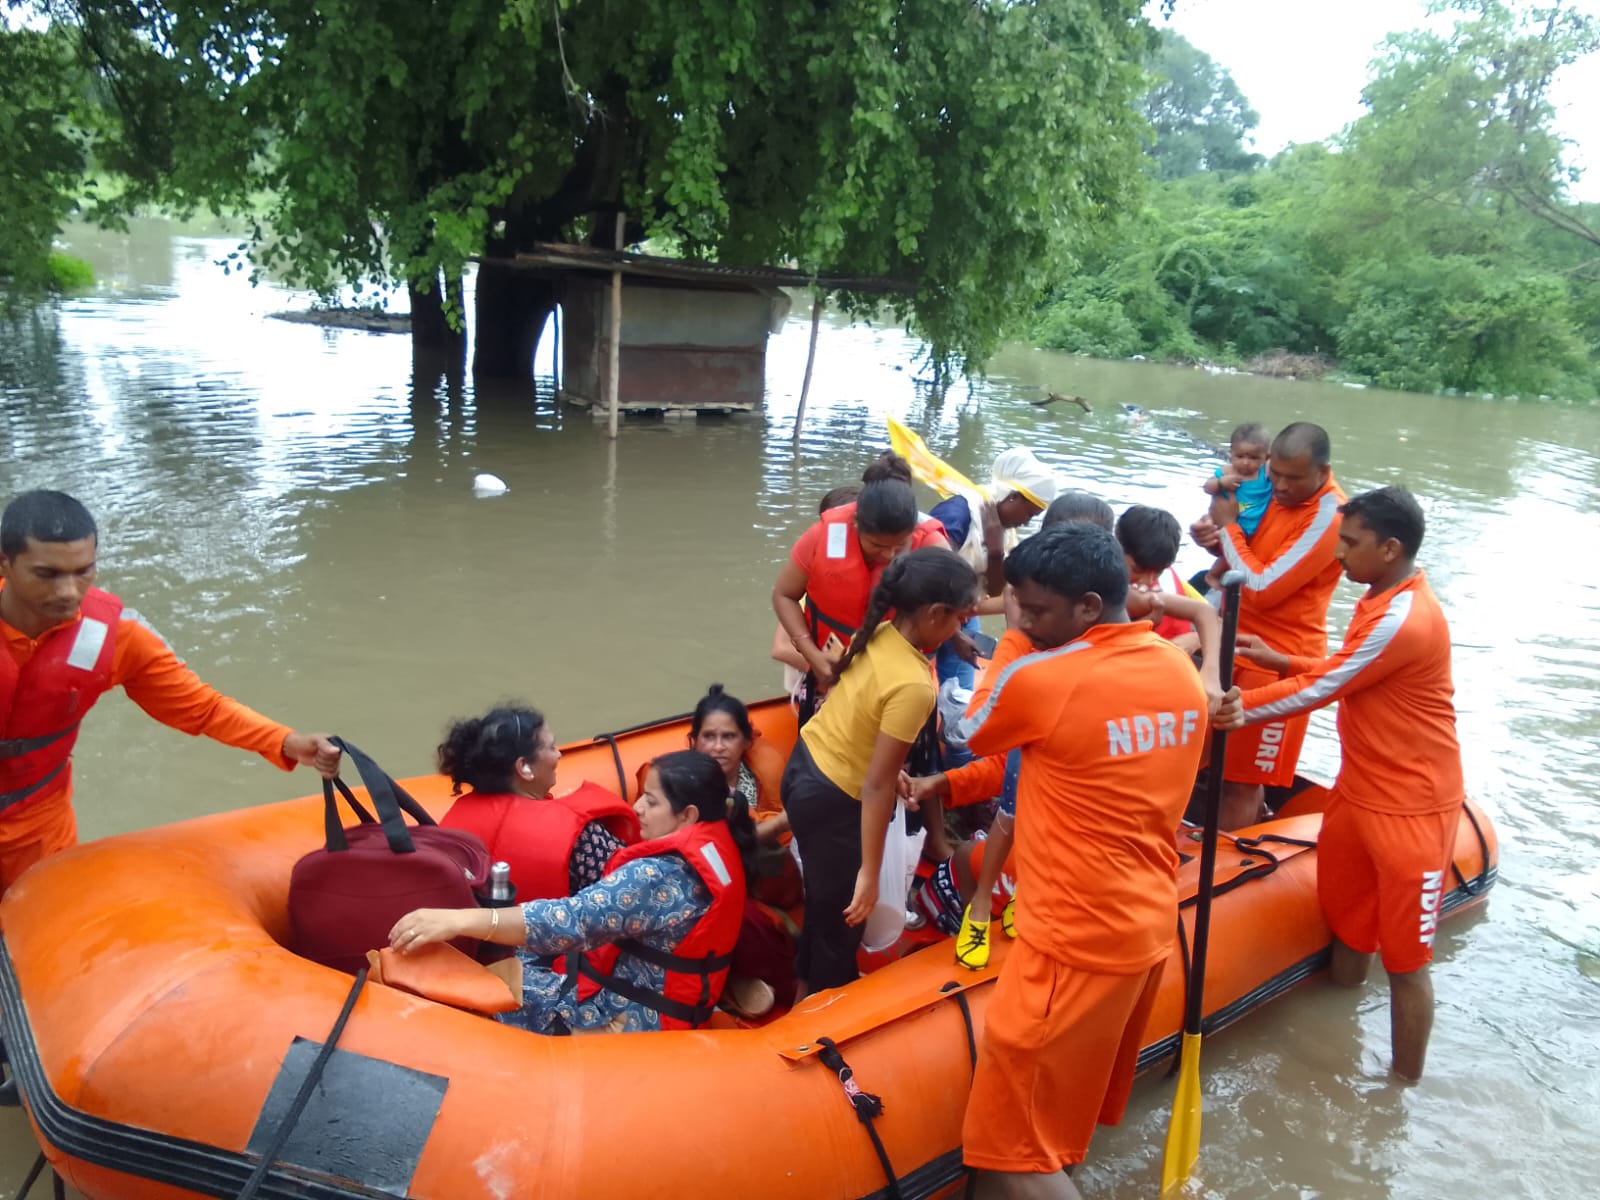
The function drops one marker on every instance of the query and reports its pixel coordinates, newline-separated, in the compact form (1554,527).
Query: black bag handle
(389,799)
(331,824)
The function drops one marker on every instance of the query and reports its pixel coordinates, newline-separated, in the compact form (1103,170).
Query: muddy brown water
(292,508)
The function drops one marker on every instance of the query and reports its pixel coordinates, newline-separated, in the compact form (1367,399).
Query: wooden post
(811,358)
(555,355)
(613,357)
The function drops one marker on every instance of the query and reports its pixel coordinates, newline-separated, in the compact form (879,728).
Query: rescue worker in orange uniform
(66,644)
(1389,831)
(1290,572)
(1111,721)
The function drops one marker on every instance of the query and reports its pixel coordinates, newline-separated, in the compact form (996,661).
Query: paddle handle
(1194,1006)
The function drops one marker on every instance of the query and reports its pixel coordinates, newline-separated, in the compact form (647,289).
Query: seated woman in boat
(838,561)
(839,787)
(556,845)
(648,946)
(763,960)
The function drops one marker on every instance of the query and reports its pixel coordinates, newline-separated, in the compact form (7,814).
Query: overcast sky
(1303,63)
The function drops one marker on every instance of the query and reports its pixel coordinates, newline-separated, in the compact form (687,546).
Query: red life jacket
(1171,627)
(537,837)
(697,969)
(839,580)
(42,702)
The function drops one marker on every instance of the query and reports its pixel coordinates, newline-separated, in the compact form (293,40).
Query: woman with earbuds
(556,845)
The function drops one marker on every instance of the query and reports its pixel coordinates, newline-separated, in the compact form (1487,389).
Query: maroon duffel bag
(344,898)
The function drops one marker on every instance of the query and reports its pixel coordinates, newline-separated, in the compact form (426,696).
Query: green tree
(40,93)
(960,146)
(1198,116)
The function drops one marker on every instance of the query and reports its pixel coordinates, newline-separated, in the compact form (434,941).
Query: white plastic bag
(901,851)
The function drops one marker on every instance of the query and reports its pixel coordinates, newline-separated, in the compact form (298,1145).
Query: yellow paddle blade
(1183,1134)
(926,465)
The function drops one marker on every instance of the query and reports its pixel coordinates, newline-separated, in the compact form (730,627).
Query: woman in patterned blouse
(655,901)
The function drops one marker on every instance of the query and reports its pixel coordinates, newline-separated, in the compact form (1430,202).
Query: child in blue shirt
(1244,475)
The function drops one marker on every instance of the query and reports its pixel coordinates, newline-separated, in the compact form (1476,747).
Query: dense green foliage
(961,146)
(1198,116)
(1431,247)
(43,142)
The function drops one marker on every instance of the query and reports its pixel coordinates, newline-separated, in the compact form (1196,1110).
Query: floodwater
(292,508)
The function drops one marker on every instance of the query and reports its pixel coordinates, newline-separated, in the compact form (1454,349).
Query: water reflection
(292,508)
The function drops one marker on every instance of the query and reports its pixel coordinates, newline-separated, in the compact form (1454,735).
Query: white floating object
(488,485)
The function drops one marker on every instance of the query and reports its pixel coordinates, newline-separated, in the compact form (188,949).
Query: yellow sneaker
(1008,918)
(972,943)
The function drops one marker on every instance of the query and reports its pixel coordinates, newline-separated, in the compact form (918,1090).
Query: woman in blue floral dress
(682,886)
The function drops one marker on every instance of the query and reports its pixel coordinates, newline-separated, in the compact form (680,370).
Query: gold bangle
(494,923)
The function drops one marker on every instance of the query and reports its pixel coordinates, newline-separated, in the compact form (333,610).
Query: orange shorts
(33,831)
(1381,878)
(1269,752)
(1058,1054)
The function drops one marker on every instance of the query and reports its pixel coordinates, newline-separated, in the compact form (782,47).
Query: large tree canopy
(962,146)
(1198,116)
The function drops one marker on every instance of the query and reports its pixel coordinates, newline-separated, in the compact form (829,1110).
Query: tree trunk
(512,307)
(430,329)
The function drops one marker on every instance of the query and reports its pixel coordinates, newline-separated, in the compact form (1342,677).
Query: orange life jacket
(839,580)
(43,701)
(537,837)
(698,967)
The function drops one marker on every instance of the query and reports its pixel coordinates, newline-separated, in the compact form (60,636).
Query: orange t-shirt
(157,681)
(982,778)
(1111,728)
(1290,572)
(1397,716)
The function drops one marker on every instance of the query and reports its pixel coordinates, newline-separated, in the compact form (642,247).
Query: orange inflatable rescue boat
(159,1030)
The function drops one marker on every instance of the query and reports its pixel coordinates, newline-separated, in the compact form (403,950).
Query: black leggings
(827,825)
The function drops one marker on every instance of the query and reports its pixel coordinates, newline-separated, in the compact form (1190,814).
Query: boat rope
(280,1135)
(610,739)
(1474,887)
(960,998)
(868,1107)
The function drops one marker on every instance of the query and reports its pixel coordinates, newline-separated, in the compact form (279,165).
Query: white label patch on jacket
(718,867)
(86,646)
(838,541)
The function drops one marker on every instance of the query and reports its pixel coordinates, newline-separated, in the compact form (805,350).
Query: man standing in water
(66,644)
(1290,572)
(1390,827)
(1099,794)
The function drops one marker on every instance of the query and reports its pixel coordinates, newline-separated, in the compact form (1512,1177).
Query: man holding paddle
(1390,826)
(1111,722)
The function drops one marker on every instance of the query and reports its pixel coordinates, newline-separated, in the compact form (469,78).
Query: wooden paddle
(1183,1134)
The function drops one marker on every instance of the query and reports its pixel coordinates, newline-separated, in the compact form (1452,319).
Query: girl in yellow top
(839,787)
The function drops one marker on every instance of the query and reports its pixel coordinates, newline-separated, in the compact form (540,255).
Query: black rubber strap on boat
(610,739)
(1474,887)
(33,1173)
(280,1137)
(868,1108)
(7,799)
(966,1016)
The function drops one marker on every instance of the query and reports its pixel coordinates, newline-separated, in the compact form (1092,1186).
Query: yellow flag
(928,467)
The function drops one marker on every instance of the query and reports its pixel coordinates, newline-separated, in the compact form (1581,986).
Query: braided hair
(932,575)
